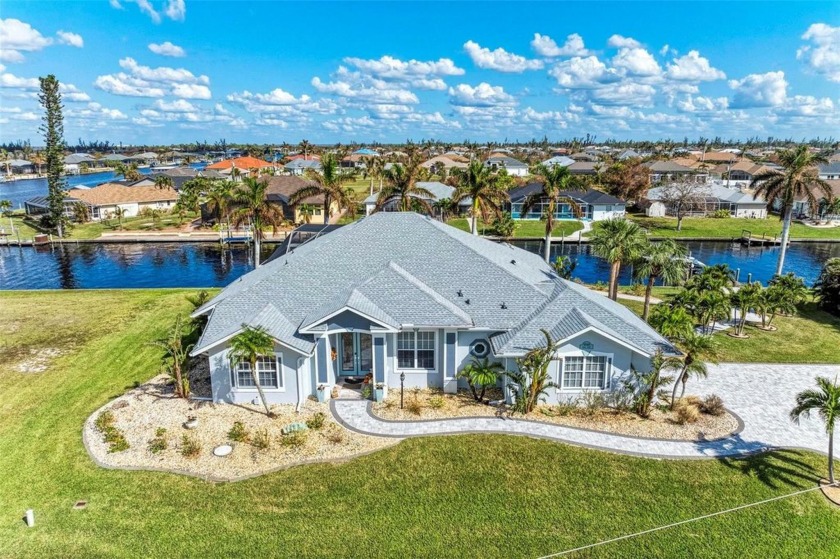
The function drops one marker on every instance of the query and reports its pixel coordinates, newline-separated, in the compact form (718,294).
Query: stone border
(737,430)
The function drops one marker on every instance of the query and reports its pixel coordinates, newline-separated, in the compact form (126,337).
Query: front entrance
(355,354)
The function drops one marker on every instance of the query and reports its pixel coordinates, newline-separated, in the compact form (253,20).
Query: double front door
(355,353)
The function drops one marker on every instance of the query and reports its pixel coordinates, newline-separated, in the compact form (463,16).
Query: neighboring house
(282,187)
(107,197)
(112,159)
(830,171)
(73,162)
(145,158)
(802,209)
(669,171)
(354,161)
(448,162)
(628,154)
(40,205)
(402,294)
(181,175)
(18,166)
(439,191)
(711,197)
(744,170)
(513,166)
(590,168)
(245,166)
(560,160)
(299,166)
(593,205)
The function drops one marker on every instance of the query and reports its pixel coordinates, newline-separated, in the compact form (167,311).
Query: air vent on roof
(460,293)
(513,262)
(467,301)
(504,306)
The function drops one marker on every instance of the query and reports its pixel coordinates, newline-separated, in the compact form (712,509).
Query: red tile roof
(241,163)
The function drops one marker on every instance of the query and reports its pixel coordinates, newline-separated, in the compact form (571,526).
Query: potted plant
(322,393)
(379,392)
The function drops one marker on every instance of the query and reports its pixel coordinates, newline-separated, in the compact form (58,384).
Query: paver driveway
(760,394)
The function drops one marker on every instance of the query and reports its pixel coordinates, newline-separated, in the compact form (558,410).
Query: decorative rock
(120,405)
(292,427)
(222,450)
(191,423)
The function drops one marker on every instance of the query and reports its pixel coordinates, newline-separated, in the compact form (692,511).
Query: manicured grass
(94,229)
(524,228)
(468,496)
(728,228)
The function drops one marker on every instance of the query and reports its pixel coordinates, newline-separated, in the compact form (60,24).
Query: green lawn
(94,229)
(728,228)
(467,496)
(524,228)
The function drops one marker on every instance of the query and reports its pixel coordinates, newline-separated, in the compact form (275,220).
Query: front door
(355,353)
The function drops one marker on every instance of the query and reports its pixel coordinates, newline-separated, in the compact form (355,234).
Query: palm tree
(663,260)
(533,377)
(401,188)
(328,183)
(672,321)
(306,212)
(118,212)
(219,197)
(799,179)
(617,240)
(695,347)
(247,347)
(373,168)
(478,184)
(304,147)
(5,207)
(556,181)
(178,353)
(744,299)
(481,374)
(826,402)
(163,181)
(564,266)
(252,207)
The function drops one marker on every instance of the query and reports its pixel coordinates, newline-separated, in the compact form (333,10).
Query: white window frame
(562,369)
(415,368)
(235,370)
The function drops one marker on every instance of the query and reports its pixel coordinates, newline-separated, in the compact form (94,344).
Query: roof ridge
(430,292)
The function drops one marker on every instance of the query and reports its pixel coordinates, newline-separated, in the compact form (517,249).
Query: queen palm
(556,181)
(660,261)
(329,183)
(305,146)
(478,184)
(401,188)
(617,240)
(373,169)
(163,181)
(695,348)
(247,347)
(825,401)
(797,180)
(250,206)
(219,197)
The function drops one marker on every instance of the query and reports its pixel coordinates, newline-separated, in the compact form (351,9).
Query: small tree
(683,198)
(533,378)
(53,131)
(481,374)
(6,207)
(645,385)
(565,267)
(618,241)
(825,400)
(664,260)
(175,357)
(743,300)
(248,346)
(118,212)
(827,287)
(695,348)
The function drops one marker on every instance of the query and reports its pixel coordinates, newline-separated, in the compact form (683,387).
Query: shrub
(720,214)
(827,288)
(119,443)
(414,406)
(564,409)
(104,421)
(190,447)
(437,402)
(592,402)
(160,432)
(335,436)
(686,413)
(238,433)
(548,411)
(261,440)
(295,439)
(159,443)
(316,421)
(637,289)
(713,405)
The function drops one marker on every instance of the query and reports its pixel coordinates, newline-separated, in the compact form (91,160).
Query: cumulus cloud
(173,9)
(482,95)
(636,61)
(176,10)
(583,73)
(544,45)
(499,59)
(625,93)
(72,39)
(806,106)
(823,54)
(388,67)
(701,104)
(693,67)
(95,111)
(618,41)
(17,37)
(70,92)
(11,81)
(759,90)
(145,81)
(167,49)
(355,85)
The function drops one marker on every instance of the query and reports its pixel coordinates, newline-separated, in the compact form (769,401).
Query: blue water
(85,266)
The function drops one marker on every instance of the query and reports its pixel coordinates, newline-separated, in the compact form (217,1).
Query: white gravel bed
(152,406)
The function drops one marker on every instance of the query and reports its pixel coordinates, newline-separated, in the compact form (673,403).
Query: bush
(336,436)
(159,443)
(592,402)
(713,405)
(104,421)
(119,443)
(414,406)
(238,433)
(316,421)
(295,439)
(720,214)
(190,447)
(437,402)
(827,288)
(261,440)
(686,413)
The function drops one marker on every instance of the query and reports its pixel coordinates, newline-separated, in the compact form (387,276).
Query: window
(479,348)
(586,372)
(416,350)
(595,372)
(268,371)
(573,372)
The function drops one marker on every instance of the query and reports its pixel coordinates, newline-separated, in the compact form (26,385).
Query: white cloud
(555,119)
(17,37)
(759,90)
(14,82)
(546,46)
(388,67)
(72,39)
(179,106)
(355,85)
(123,84)
(275,97)
(162,73)
(176,10)
(806,105)
(499,59)
(624,93)
(582,73)
(701,104)
(167,49)
(693,67)
(617,41)
(636,61)
(823,56)
(482,95)
(144,81)
(70,92)
(95,111)
(191,91)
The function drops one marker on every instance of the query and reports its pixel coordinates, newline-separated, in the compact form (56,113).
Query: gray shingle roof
(404,269)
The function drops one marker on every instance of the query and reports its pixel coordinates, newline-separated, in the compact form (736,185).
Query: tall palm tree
(219,197)
(163,181)
(248,346)
(799,179)
(695,348)
(825,400)
(373,168)
(617,240)
(329,183)
(252,207)
(663,260)
(556,181)
(305,146)
(401,188)
(478,184)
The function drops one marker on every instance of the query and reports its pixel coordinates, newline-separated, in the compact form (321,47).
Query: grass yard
(94,229)
(524,228)
(728,228)
(468,496)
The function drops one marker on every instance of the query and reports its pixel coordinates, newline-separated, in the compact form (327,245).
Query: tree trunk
(648,290)
(256,249)
(547,249)
(326,210)
(474,223)
(259,387)
(676,385)
(679,222)
(831,456)
(614,270)
(785,236)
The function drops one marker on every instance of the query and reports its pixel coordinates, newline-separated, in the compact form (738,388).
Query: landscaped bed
(662,424)
(151,420)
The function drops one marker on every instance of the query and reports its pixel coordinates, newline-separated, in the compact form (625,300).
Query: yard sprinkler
(402,386)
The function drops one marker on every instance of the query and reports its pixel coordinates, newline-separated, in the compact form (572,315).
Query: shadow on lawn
(776,468)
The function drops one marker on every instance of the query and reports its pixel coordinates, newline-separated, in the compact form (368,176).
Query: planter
(379,395)
(322,395)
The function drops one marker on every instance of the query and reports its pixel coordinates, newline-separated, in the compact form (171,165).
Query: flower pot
(322,395)
(379,395)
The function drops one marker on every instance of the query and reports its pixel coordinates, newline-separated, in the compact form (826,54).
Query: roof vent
(467,301)
(513,262)
(460,293)
(504,305)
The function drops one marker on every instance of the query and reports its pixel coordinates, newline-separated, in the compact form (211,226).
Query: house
(590,168)
(830,171)
(593,205)
(104,199)
(74,162)
(744,170)
(408,299)
(299,166)
(669,171)
(628,154)
(180,175)
(802,208)
(40,205)
(280,190)
(448,162)
(439,191)
(513,166)
(242,166)
(710,198)
(560,160)
(145,158)
(112,159)
(18,166)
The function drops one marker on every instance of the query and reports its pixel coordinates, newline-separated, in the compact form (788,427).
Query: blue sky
(163,71)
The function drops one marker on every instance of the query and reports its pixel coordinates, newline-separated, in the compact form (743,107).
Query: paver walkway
(761,395)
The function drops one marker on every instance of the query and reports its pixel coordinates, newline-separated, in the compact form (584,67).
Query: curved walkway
(760,395)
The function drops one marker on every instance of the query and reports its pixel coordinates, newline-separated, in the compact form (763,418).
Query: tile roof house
(107,197)
(280,190)
(593,205)
(406,294)
(243,164)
